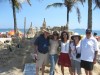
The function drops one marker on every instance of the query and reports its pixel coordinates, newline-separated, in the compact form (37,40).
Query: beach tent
(11,32)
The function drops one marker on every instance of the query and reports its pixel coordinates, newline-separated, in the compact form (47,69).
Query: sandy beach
(13,63)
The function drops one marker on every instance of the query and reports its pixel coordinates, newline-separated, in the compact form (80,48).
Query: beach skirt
(64,60)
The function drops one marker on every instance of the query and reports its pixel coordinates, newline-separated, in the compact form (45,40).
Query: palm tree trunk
(90,14)
(67,27)
(14,17)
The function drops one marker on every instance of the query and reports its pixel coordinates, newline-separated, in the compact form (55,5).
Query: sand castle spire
(44,24)
(31,25)
(30,32)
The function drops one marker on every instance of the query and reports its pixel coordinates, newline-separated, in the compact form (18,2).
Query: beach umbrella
(11,32)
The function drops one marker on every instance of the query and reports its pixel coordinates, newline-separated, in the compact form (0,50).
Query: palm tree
(89,14)
(90,2)
(16,5)
(69,4)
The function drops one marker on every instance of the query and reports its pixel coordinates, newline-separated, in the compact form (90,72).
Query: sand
(12,63)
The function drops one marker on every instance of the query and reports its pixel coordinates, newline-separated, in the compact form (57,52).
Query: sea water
(80,31)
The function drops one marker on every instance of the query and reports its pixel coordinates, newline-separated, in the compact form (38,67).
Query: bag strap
(75,47)
(70,47)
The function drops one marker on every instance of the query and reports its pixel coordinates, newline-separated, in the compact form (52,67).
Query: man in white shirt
(89,49)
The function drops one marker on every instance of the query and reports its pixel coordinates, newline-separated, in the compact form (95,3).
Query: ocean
(80,31)
(6,30)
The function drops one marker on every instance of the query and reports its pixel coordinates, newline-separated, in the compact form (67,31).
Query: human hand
(34,56)
(94,61)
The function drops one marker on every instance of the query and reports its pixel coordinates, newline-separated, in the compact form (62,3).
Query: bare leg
(73,73)
(86,72)
(43,67)
(70,71)
(37,70)
(90,73)
(62,69)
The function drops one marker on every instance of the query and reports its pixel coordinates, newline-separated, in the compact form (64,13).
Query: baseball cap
(88,30)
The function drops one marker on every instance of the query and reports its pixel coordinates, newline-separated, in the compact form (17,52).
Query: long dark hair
(62,38)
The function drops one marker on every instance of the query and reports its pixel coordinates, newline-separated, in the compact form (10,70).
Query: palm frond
(82,1)
(78,14)
(97,2)
(29,2)
(17,4)
(55,5)
(69,4)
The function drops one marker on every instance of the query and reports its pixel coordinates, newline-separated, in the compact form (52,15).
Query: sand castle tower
(43,25)
(30,32)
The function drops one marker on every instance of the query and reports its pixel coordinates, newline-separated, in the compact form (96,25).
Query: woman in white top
(53,54)
(64,59)
(75,54)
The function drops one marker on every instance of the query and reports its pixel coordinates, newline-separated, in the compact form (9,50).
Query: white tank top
(65,47)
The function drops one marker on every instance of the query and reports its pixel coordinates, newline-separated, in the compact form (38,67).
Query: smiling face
(64,36)
(55,36)
(76,39)
(88,34)
(46,34)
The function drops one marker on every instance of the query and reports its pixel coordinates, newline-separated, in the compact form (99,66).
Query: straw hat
(44,30)
(75,35)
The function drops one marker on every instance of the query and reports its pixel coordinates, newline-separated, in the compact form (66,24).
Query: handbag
(78,55)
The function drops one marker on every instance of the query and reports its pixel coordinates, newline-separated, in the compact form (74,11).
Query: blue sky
(54,16)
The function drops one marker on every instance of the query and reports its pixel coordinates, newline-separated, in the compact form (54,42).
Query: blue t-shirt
(43,44)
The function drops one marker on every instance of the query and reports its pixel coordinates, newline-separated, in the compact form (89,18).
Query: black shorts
(87,65)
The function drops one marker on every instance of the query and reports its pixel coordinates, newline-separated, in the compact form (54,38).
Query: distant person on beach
(89,49)
(53,52)
(64,59)
(74,51)
(42,51)
(95,34)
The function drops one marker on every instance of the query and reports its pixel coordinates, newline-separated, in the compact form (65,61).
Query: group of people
(73,52)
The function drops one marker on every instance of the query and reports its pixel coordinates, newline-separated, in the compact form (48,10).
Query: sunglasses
(55,34)
(88,32)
